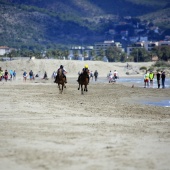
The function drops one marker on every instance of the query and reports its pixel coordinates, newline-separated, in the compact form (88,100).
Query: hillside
(62,23)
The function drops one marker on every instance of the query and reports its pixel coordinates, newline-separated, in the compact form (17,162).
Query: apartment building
(105,45)
(148,45)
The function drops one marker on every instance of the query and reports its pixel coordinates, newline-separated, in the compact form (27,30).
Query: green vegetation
(38,25)
(161,64)
(143,68)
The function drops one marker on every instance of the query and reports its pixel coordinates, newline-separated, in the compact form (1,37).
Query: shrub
(161,64)
(143,68)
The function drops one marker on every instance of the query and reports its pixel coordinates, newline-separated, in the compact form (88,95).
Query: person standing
(151,77)
(31,75)
(158,76)
(45,76)
(110,76)
(25,76)
(14,75)
(163,79)
(11,74)
(6,75)
(146,79)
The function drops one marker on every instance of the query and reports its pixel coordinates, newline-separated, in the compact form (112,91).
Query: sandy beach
(107,128)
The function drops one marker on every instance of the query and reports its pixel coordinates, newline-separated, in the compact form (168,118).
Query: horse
(83,81)
(61,80)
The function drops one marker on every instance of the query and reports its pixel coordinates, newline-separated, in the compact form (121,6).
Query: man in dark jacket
(163,79)
(158,76)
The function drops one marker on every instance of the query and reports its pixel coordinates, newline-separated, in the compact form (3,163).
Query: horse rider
(63,72)
(85,69)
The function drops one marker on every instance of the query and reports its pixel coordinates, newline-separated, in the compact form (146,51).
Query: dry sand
(106,128)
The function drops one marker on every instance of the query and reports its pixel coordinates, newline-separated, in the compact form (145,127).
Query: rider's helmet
(61,66)
(86,66)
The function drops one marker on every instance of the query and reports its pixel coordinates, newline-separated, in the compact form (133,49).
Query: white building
(148,45)
(4,50)
(105,45)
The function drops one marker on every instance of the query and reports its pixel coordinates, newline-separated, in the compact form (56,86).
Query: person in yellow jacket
(151,77)
(85,69)
(146,79)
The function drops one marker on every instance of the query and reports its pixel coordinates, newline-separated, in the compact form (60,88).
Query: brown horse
(60,80)
(83,81)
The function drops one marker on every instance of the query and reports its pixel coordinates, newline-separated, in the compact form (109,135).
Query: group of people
(32,75)
(7,75)
(112,76)
(149,77)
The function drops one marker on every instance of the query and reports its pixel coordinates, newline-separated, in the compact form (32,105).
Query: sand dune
(41,65)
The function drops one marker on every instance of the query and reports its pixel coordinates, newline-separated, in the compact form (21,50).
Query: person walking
(91,75)
(163,79)
(95,75)
(116,75)
(158,76)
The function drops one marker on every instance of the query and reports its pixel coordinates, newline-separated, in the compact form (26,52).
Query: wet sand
(106,128)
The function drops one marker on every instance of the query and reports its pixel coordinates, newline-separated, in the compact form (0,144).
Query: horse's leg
(81,89)
(62,88)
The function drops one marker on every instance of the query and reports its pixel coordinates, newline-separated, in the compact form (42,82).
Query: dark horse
(61,80)
(83,81)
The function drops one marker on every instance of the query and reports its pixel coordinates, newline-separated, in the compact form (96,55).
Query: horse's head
(60,71)
(85,71)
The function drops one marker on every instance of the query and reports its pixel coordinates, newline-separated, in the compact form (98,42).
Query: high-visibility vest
(151,76)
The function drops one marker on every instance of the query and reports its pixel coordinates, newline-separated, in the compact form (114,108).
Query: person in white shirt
(116,75)
(64,74)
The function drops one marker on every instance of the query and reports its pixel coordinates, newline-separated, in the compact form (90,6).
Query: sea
(139,83)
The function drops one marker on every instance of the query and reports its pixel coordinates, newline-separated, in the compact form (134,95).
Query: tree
(75,53)
(163,52)
(114,54)
(140,55)
(92,53)
(12,54)
(66,53)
